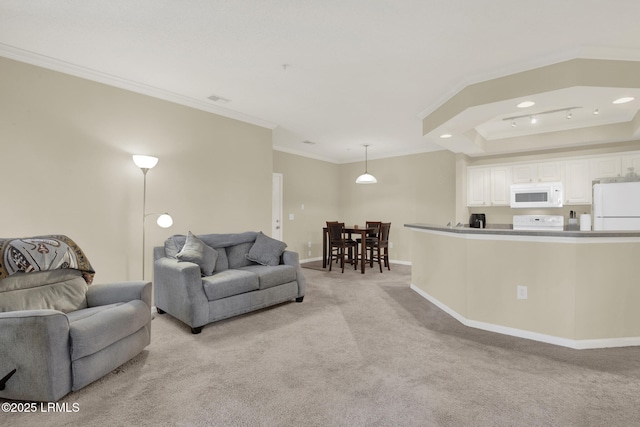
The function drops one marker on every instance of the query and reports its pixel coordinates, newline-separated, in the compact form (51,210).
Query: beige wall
(417,188)
(66,167)
(410,188)
(314,184)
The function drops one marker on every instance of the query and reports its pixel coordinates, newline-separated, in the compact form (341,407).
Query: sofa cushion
(222,263)
(175,243)
(237,255)
(196,251)
(270,276)
(63,290)
(102,328)
(228,283)
(266,250)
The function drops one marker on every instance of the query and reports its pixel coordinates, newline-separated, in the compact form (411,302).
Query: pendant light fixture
(366,178)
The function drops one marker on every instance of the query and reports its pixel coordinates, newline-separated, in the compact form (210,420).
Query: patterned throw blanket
(41,253)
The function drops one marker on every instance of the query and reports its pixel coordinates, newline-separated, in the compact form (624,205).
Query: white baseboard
(535,336)
(302,261)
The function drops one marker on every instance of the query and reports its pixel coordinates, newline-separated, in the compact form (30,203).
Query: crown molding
(64,67)
(304,154)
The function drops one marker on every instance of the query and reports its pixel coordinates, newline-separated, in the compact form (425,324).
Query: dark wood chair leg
(386,259)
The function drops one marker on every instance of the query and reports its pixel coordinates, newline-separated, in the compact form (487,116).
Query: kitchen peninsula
(578,289)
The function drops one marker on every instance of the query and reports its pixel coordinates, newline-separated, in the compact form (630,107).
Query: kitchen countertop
(506,230)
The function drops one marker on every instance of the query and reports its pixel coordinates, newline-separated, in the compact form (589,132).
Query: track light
(533,118)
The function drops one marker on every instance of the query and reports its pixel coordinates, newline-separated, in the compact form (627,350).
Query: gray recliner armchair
(58,334)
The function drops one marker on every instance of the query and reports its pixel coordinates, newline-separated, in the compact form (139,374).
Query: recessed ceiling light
(526,104)
(624,100)
(446,135)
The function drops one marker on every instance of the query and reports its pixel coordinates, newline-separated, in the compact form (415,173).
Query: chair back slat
(376,225)
(385,227)
(335,231)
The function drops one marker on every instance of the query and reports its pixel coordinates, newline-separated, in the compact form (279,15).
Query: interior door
(276,207)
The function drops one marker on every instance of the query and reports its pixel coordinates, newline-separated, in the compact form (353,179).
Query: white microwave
(536,195)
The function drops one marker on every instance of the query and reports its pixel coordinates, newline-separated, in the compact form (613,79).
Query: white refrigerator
(616,206)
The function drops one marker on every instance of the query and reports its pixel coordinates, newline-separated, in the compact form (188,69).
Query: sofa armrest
(36,344)
(110,293)
(292,258)
(178,290)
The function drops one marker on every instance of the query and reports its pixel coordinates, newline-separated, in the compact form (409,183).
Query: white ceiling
(337,73)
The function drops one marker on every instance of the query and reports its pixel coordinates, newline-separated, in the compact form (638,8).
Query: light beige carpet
(361,350)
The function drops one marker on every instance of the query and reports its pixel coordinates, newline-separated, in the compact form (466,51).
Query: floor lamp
(164,220)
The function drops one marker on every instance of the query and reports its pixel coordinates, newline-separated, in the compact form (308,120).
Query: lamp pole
(144,210)
(164,220)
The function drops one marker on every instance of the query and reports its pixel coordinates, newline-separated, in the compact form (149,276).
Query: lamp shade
(145,162)
(366,178)
(165,221)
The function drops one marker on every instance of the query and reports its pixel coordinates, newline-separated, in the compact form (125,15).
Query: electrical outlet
(390,245)
(522,292)
(309,243)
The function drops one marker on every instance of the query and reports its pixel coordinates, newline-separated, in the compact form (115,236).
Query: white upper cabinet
(577,182)
(537,172)
(525,173)
(477,186)
(500,186)
(488,186)
(606,167)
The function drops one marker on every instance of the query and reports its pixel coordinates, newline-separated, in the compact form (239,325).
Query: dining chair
(331,249)
(339,242)
(379,248)
(371,237)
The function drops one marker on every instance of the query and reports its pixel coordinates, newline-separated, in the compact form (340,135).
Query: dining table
(349,231)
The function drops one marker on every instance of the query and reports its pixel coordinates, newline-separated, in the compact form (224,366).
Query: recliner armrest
(110,293)
(36,344)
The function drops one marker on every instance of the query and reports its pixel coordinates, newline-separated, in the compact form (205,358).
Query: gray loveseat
(58,334)
(206,278)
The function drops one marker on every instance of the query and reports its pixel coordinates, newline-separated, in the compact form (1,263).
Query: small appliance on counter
(478,220)
(573,222)
(538,222)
